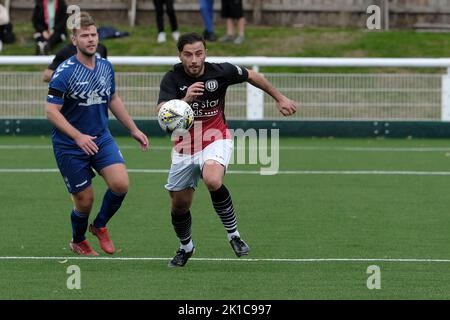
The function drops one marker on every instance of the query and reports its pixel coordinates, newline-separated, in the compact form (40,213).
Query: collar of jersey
(79,62)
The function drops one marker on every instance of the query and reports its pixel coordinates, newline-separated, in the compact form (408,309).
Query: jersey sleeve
(113,80)
(57,87)
(168,89)
(234,73)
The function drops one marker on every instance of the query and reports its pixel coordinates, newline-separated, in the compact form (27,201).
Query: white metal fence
(411,96)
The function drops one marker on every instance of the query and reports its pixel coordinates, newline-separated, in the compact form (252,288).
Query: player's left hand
(141,138)
(287,106)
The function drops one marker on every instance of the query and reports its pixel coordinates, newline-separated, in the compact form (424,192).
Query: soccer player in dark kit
(203,85)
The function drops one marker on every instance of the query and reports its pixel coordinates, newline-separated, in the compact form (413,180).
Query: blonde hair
(86,20)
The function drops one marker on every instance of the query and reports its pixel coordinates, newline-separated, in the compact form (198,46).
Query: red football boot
(82,248)
(103,236)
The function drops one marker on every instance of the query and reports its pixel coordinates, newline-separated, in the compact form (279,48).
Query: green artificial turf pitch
(336,207)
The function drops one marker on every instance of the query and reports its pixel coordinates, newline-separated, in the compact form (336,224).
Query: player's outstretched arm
(118,109)
(286,106)
(84,141)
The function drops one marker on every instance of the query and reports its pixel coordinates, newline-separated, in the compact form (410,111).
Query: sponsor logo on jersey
(211,85)
(93,98)
(183,88)
(206,108)
(205,104)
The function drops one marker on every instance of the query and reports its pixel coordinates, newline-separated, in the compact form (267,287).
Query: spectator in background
(65,53)
(6,34)
(49,21)
(207,10)
(232,10)
(159,10)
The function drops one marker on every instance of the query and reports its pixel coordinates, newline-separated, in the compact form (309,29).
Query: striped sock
(223,205)
(182,226)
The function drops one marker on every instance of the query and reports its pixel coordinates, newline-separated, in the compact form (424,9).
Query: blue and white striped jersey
(84,94)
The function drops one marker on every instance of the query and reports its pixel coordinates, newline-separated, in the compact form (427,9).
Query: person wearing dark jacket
(6,27)
(49,21)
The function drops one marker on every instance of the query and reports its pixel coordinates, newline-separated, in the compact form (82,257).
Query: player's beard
(198,71)
(87,53)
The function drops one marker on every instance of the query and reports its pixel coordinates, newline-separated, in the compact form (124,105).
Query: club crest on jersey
(211,85)
(102,81)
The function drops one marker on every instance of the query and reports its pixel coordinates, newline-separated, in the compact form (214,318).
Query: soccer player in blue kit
(81,91)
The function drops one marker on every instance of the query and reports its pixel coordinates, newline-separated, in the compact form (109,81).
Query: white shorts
(186,170)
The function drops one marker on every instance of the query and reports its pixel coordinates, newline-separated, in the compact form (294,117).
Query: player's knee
(212,183)
(84,202)
(120,187)
(180,207)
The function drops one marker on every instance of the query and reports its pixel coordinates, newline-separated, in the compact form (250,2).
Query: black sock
(182,225)
(223,205)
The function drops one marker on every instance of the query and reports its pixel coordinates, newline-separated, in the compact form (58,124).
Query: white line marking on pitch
(299,172)
(48,147)
(232,259)
(301,148)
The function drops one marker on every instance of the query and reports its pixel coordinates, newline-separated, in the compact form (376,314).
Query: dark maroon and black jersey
(209,107)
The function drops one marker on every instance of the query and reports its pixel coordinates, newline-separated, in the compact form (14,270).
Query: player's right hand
(195,90)
(141,138)
(87,144)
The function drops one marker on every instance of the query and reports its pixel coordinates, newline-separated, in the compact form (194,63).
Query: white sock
(187,247)
(230,235)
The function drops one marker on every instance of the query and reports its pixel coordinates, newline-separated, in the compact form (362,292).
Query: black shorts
(232,9)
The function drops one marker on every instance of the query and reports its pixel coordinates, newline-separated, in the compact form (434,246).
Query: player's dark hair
(85,21)
(189,38)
